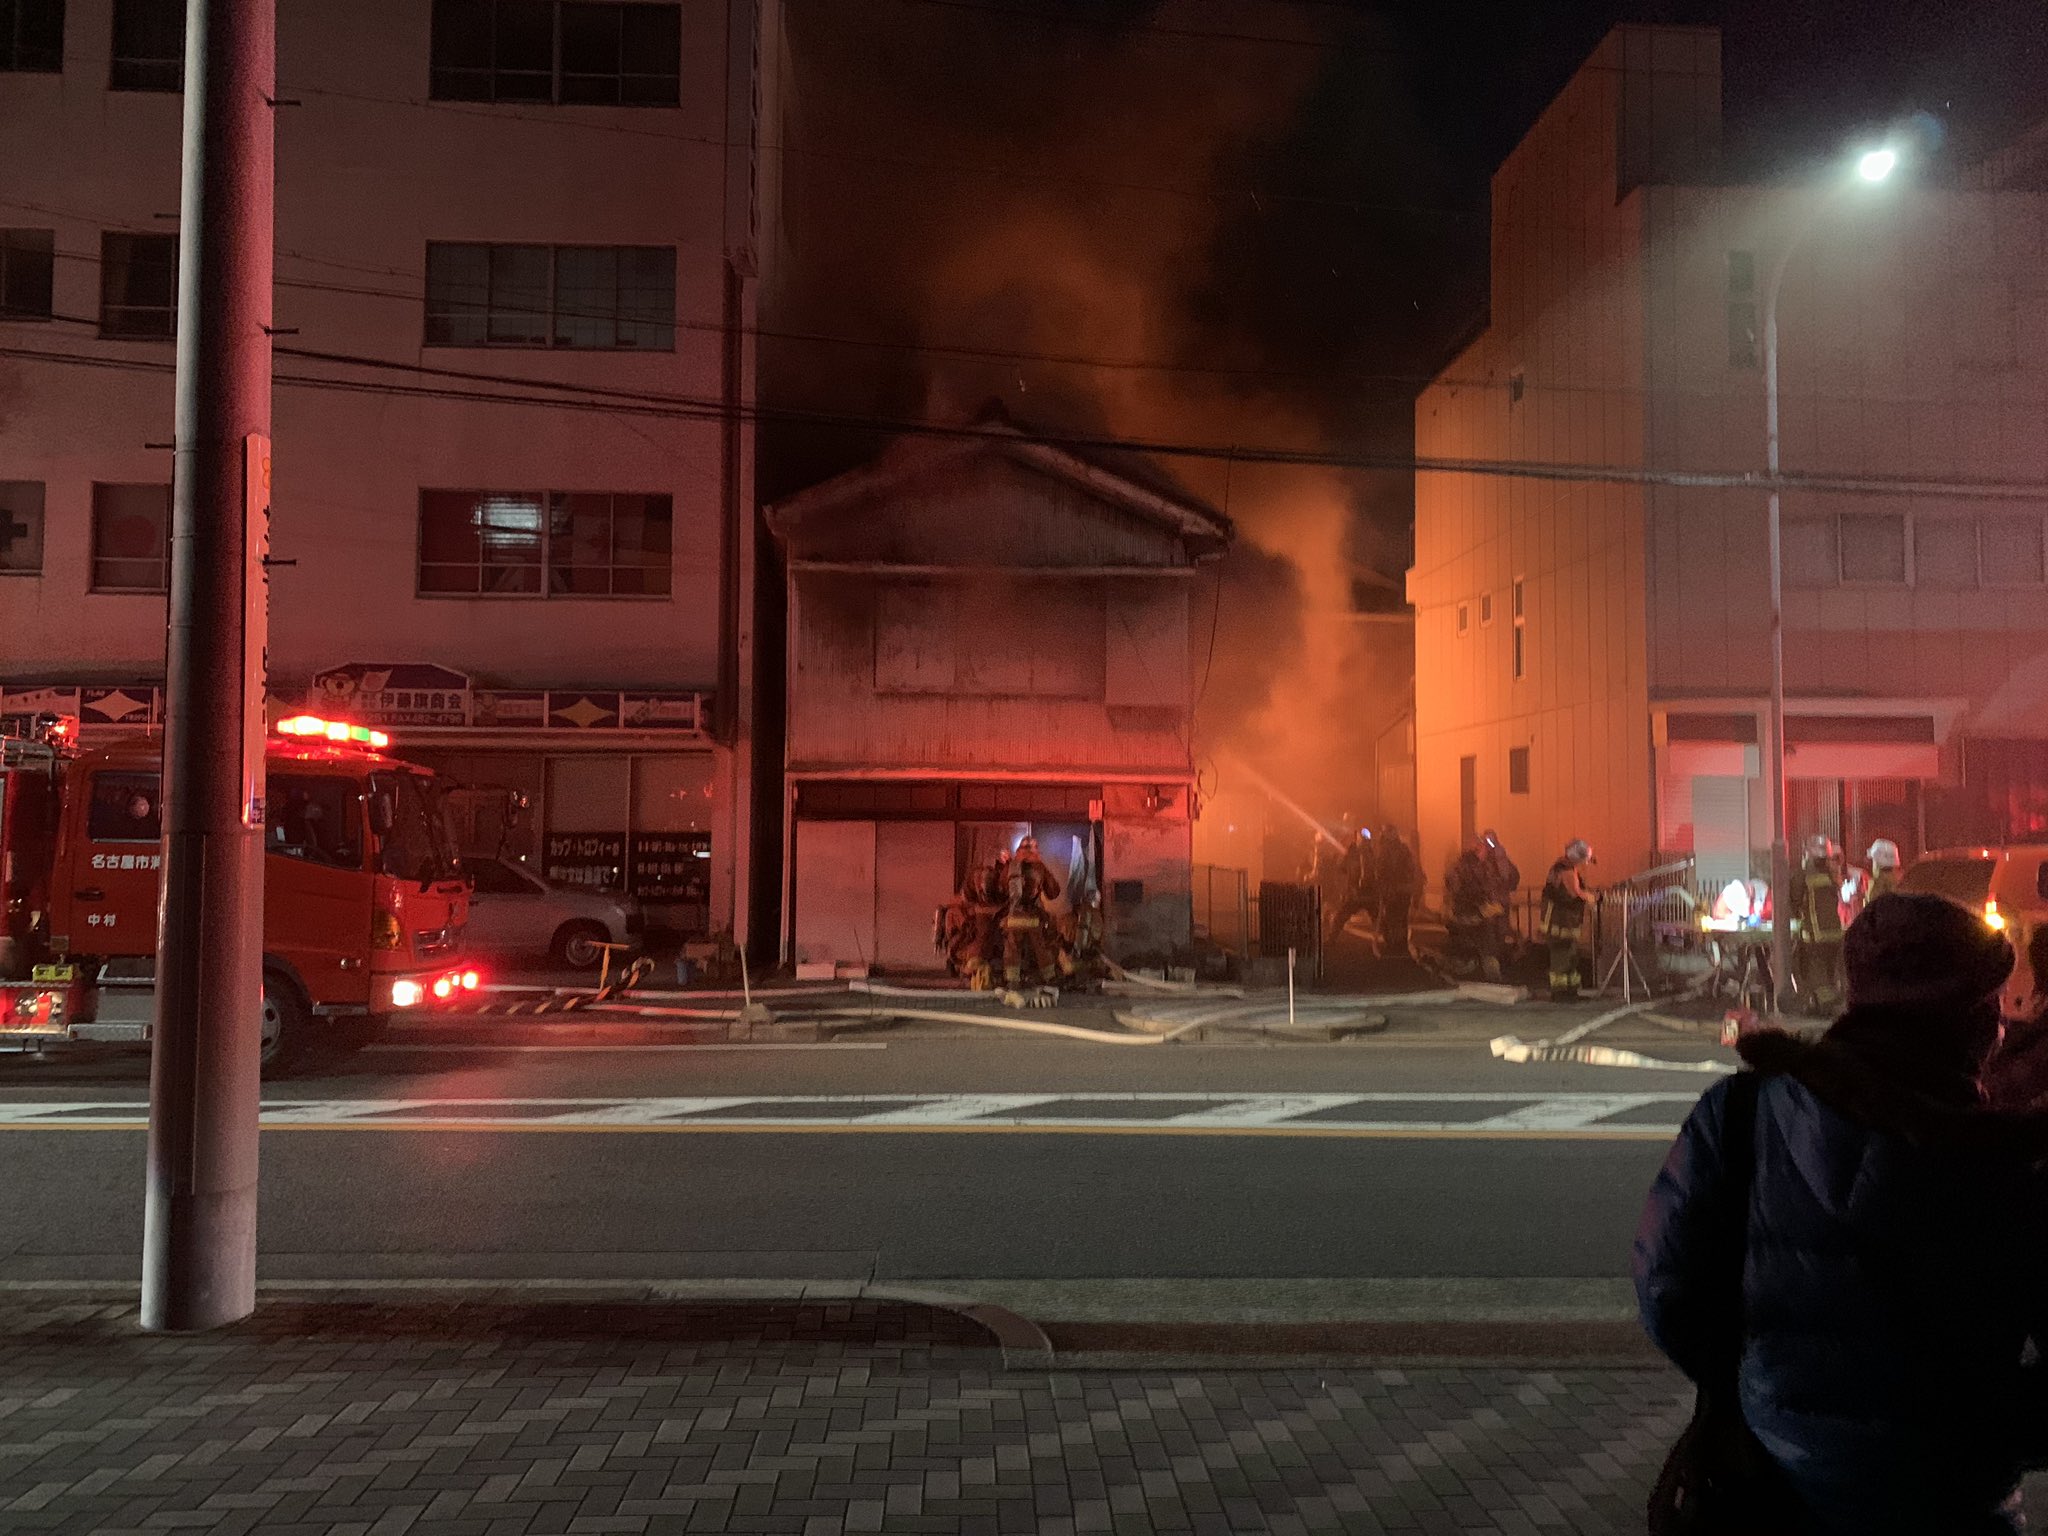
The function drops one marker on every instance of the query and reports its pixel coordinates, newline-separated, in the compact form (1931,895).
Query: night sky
(1249,222)
(1338,255)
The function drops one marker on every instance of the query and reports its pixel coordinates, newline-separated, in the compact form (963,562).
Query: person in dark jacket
(1897,1255)
(2018,1076)
(1400,882)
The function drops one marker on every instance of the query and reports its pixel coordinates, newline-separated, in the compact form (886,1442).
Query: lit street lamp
(1871,167)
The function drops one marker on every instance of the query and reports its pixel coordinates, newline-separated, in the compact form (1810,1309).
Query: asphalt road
(886,1161)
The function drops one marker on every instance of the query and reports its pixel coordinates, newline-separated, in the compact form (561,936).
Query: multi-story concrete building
(513,494)
(1593,655)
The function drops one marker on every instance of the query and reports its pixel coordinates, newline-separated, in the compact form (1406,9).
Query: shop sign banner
(662,711)
(590,860)
(398,693)
(670,866)
(506,706)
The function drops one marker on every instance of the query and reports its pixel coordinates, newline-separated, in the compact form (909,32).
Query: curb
(1023,1343)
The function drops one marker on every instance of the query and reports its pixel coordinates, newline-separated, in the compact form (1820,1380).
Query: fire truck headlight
(443,988)
(469,981)
(405,994)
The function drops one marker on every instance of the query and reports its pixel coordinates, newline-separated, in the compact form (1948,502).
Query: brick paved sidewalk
(488,1420)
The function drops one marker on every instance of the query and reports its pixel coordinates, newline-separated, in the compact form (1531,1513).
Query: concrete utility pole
(199,1227)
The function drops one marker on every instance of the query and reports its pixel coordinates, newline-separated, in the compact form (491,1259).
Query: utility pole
(199,1226)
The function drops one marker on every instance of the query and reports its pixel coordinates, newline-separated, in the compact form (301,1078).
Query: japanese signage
(410,693)
(403,695)
(255,622)
(592,860)
(669,866)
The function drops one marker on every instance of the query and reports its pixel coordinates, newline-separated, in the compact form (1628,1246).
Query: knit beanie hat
(1909,947)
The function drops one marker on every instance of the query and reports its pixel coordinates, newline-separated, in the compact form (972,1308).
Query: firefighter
(1400,882)
(1565,900)
(1028,929)
(1468,950)
(1884,870)
(1358,876)
(971,925)
(1503,879)
(1817,963)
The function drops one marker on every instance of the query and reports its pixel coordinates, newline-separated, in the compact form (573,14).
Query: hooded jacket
(1896,1266)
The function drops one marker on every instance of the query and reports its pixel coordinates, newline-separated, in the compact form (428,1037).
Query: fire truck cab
(363,898)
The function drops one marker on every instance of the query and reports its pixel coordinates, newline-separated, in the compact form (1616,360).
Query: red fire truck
(363,898)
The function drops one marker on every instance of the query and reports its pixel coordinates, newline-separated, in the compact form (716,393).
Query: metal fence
(1224,908)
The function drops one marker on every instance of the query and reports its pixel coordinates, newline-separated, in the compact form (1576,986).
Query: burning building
(988,636)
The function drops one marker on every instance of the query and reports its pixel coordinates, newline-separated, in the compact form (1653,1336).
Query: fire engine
(363,896)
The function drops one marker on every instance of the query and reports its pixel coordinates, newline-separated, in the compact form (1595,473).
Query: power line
(556,393)
(949,349)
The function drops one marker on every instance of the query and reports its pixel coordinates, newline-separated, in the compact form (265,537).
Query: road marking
(1584,1115)
(1567,1112)
(960,1110)
(1267,1111)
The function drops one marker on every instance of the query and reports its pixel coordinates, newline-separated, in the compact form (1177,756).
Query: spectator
(2018,1075)
(1895,1248)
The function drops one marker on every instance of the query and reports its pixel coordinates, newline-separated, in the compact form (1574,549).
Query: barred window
(571,52)
(131,538)
(28,261)
(139,286)
(545,544)
(149,46)
(32,36)
(602,297)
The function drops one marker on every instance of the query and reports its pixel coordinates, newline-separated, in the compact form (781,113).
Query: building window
(1520,639)
(28,260)
(2012,550)
(1464,618)
(1873,546)
(21,527)
(149,46)
(544,544)
(32,36)
(1945,553)
(131,538)
(1486,607)
(139,286)
(605,297)
(1518,770)
(576,52)
(1742,334)
(1809,552)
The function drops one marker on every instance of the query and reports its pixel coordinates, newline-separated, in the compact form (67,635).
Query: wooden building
(988,636)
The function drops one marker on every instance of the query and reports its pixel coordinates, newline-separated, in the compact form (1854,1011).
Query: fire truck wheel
(285,1024)
(579,946)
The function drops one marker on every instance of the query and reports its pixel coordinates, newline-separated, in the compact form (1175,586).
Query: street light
(1872,166)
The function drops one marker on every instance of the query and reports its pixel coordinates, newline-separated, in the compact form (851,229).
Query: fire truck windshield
(416,845)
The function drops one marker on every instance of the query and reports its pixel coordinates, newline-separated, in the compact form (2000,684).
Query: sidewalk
(497,1420)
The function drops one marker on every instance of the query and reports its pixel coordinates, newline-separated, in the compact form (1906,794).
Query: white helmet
(1578,852)
(1884,854)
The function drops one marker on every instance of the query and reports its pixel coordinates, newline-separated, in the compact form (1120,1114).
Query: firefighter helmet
(1884,854)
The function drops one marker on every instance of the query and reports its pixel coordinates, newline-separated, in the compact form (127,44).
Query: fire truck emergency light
(332,730)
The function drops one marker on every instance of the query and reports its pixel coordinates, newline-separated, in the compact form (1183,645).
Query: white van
(2008,885)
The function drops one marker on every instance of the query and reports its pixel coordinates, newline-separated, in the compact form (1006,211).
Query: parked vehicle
(363,901)
(2008,885)
(512,910)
